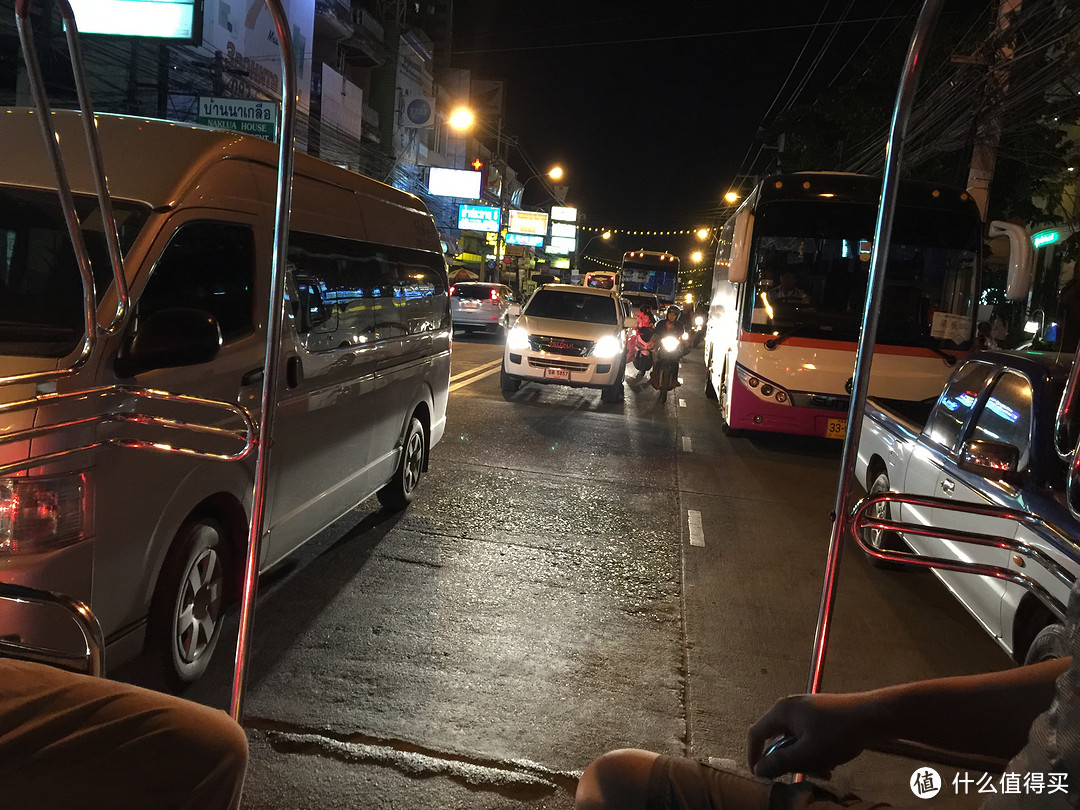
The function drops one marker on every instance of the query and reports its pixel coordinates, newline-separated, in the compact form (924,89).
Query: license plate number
(836,429)
(557,374)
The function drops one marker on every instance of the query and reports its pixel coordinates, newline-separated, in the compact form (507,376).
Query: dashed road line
(682,403)
(697,534)
(686,446)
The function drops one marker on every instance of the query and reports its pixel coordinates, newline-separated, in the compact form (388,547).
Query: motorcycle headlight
(669,343)
(699,320)
(517,339)
(607,347)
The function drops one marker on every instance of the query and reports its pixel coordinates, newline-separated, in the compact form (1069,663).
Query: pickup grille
(567,347)
(543,362)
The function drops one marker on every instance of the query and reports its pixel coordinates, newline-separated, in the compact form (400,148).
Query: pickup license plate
(557,374)
(836,429)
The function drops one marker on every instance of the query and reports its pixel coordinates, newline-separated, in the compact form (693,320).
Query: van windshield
(572,306)
(41,298)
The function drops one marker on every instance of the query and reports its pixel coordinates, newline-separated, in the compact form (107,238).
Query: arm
(979,714)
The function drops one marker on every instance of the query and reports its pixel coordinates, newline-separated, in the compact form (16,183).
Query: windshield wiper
(773,342)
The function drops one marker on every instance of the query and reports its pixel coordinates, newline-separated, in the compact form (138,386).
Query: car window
(955,404)
(1006,415)
(472,292)
(572,306)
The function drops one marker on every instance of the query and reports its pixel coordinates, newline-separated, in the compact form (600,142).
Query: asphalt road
(573,577)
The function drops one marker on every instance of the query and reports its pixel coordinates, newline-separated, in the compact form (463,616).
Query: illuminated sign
(534,222)
(556,249)
(478,218)
(454,183)
(239,115)
(1044,238)
(563,214)
(165,19)
(564,244)
(564,229)
(561,264)
(527,239)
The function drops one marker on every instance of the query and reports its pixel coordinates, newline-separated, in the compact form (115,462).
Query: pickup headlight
(517,340)
(41,513)
(607,347)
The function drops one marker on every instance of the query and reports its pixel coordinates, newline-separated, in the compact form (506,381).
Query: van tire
(189,601)
(401,491)
(507,383)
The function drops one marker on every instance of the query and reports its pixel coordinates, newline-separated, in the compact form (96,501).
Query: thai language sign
(242,115)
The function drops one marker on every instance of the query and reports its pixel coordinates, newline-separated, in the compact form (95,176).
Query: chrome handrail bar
(861,522)
(84,618)
(247,436)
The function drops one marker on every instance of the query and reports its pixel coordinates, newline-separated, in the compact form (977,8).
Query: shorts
(677,783)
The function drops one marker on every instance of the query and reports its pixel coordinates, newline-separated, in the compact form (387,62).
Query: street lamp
(606,235)
(731,197)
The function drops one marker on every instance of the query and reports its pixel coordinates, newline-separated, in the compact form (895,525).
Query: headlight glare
(607,347)
(518,339)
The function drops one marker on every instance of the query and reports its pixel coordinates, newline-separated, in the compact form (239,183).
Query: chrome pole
(878,258)
(275,314)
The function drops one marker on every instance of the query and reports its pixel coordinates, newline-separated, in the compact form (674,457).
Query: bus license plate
(836,429)
(560,374)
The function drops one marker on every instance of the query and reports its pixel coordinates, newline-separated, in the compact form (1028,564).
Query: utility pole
(988,134)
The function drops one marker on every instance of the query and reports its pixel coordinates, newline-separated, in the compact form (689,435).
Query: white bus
(788,294)
(155,543)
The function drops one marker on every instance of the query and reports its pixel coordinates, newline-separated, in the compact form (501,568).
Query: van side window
(368,292)
(208,266)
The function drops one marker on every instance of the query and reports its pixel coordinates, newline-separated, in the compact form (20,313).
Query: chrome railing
(92,659)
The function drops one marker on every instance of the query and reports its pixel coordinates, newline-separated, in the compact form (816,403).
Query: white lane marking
(477,376)
(682,403)
(686,445)
(697,534)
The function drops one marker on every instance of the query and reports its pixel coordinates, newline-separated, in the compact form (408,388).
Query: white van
(155,542)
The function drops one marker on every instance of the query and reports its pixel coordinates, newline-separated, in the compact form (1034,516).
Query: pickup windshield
(41,296)
(810,264)
(572,306)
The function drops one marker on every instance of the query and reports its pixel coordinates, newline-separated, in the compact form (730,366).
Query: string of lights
(640,232)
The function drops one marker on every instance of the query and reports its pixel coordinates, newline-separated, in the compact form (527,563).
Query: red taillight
(494,295)
(451,289)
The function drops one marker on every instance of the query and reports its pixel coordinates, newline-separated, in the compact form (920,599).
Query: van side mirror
(998,460)
(1021,258)
(740,247)
(168,338)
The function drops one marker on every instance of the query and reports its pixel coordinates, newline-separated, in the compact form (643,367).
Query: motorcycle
(665,373)
(639,350)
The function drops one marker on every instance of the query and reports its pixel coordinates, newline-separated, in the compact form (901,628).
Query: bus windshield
(810,264)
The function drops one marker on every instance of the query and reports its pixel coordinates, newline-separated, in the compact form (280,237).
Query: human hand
(823,731)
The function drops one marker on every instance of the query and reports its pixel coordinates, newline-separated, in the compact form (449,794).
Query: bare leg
(615,781)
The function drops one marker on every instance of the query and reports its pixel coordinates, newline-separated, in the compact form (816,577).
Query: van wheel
(188,604)
(1050,643)
(401,490)
(507,383)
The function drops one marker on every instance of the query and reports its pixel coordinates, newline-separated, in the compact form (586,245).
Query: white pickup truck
(987,440)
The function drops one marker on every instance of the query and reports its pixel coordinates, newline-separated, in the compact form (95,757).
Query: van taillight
(42,513)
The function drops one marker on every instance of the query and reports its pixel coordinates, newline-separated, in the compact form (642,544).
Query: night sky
(651,108)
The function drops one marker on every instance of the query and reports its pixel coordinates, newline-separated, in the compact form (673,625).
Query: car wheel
(401,490)
(189,601)
(507,383)
(880,539)
(1050,643)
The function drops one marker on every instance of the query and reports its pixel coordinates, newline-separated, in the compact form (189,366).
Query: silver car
(482,305)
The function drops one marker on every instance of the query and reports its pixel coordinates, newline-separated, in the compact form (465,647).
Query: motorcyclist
(645,316)
(669,327)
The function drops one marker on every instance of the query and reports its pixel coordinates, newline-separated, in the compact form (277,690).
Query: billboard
(534,222)
(563,244)
(528,239)
(454,183)
(478,218)
(564,229)
(166,19)
(563,214)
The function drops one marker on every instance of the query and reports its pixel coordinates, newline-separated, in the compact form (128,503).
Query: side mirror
(990,459)
(1021,258)
(740,247)
(169,338)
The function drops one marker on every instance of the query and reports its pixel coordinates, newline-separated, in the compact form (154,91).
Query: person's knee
(617,780)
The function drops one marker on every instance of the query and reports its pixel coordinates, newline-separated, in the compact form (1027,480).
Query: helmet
(674,309)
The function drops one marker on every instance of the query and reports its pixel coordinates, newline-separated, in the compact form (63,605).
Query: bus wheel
(185,617)
(401,490)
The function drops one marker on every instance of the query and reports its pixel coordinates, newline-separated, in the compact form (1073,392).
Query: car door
(1004,414)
